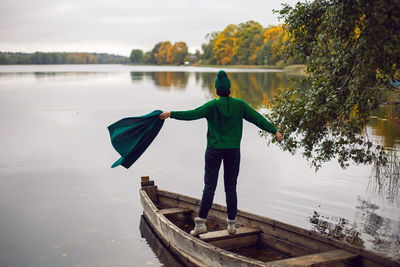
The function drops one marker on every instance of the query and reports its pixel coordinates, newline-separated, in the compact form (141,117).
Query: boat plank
(243,237)
(223,234)
(174,211)
(236,242)
(166,202)
(283,246)
(329,258)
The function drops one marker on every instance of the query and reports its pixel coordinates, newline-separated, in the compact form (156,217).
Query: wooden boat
(259,241)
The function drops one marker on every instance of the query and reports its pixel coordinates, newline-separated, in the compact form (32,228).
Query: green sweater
(225,120)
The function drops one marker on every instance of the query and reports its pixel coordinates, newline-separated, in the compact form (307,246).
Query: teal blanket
(132,136)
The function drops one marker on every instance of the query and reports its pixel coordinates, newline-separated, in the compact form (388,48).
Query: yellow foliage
(248,43)
(224,45)
(273,33)
(276,35)
(166,53)
(360,25)
(163,54)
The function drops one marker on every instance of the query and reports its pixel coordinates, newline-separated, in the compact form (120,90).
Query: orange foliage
(167,53)
(248,43)
(273,33)
(163,54)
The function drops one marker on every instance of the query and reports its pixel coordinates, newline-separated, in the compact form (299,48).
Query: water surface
(62,205)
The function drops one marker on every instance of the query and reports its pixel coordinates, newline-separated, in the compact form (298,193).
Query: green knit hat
(222,81)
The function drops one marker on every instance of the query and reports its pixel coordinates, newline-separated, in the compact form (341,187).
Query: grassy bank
(240,66)
(298,69)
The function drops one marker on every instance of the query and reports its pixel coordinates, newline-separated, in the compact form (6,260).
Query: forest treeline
(247,43)
(61,58)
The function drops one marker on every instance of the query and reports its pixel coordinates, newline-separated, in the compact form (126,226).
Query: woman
(225,122)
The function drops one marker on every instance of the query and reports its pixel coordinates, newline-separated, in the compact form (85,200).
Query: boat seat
(329,258)
(244,236)
(174,211)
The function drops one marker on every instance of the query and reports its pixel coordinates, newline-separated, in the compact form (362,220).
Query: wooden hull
(164,255)
(291,246)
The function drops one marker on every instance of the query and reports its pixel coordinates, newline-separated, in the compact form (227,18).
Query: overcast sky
(118,26)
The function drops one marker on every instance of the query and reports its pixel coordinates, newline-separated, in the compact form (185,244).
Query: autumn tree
(224,45)
(249,41)
(162,53)
(352,52)
(270,50)
(166,53)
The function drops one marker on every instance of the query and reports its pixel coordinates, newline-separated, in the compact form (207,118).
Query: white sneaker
(231,226)
(200,226)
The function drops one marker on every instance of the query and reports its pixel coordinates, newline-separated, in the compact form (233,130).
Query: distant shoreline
(298,69)
(85,58)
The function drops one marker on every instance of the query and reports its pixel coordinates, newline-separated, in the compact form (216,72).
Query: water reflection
(386,124)
(259,88)
(382,232)
(45,75)
(256,88)
(137,76)
(162,253)
(369,230)
(168,80)
(385,180)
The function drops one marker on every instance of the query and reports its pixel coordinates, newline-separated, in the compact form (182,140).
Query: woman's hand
(278,137)
(165,115)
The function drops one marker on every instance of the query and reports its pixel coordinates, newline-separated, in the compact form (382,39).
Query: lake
(62,205)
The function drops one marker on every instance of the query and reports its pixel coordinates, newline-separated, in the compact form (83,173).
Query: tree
(224,45)
(273,37)
(180,53)
(247,44)
(147,57)
(208,49)
(4,59)
(249,41)
(40,58)
(162,53)
(154,51)
(136,56)
(166,53)
(61,58)
(352,53)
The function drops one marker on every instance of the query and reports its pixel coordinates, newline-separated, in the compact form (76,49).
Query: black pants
(213,159)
